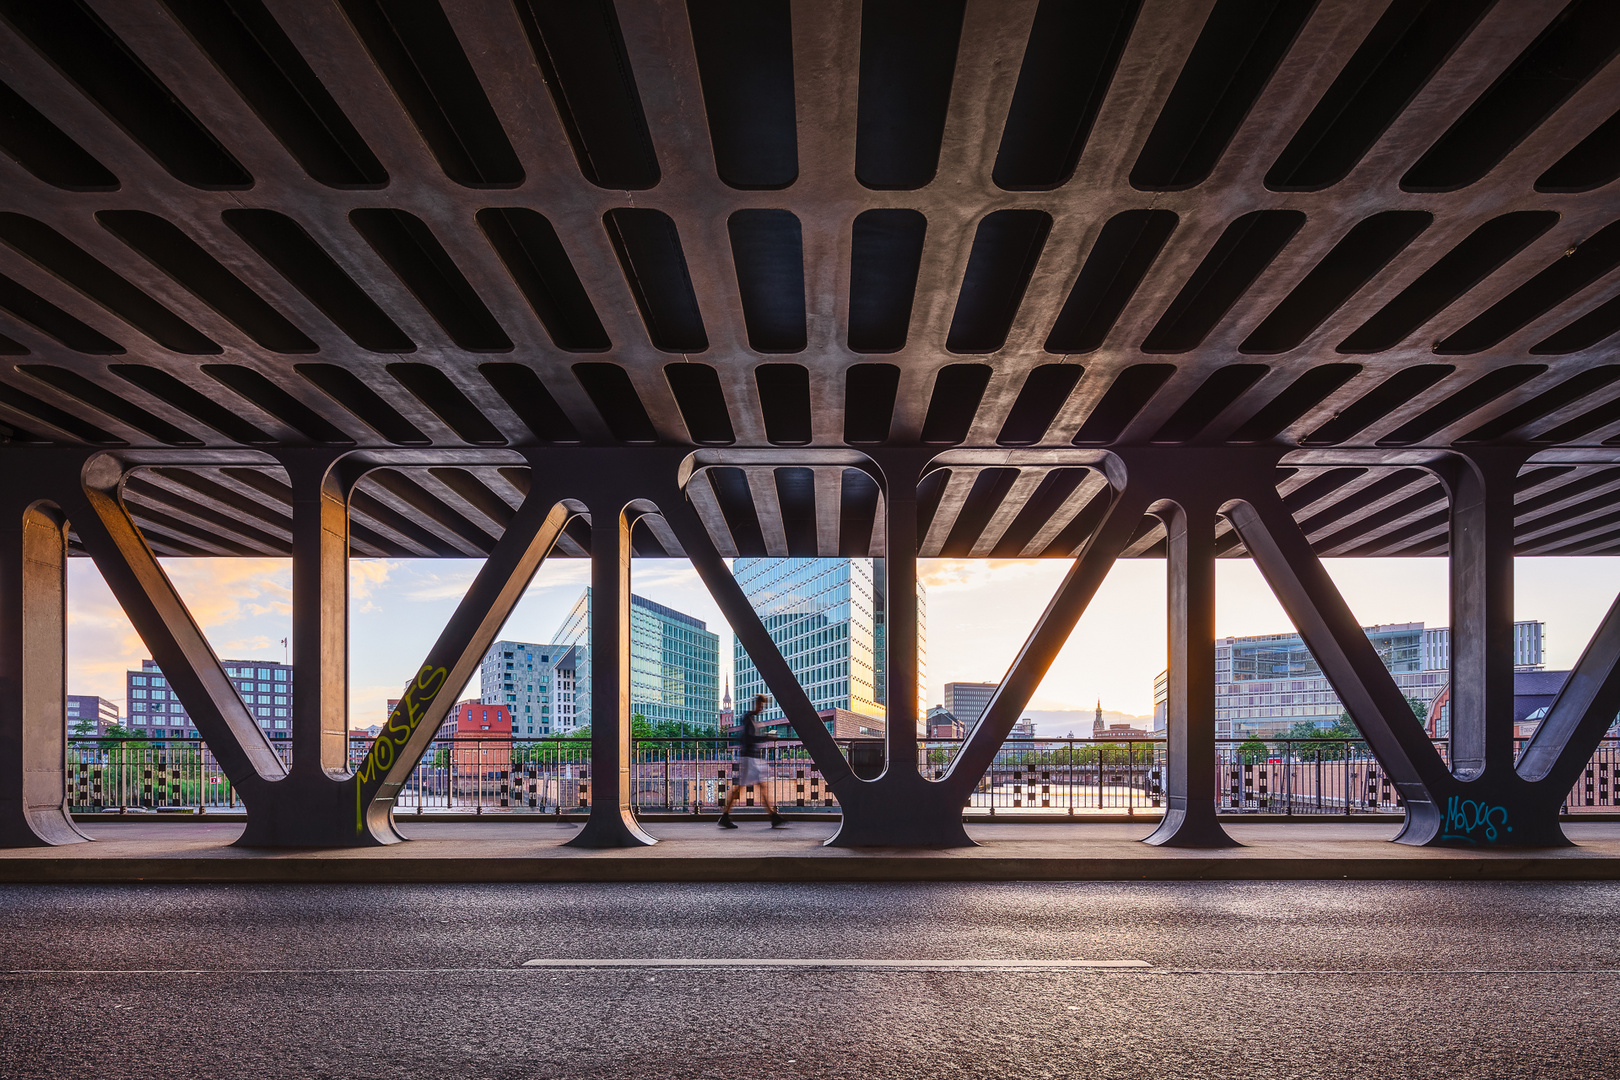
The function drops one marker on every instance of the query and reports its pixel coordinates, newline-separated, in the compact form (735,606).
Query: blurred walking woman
(750,771)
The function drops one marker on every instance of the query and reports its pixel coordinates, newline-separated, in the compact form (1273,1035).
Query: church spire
(1097,724)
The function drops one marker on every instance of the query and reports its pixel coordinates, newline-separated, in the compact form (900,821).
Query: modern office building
(674,664)
(967,700)
(155,710)
(97,713)
(534,682)
(1266,684)
(827,617)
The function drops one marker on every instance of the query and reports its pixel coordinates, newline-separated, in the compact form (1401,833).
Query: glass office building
(1264,685)
(827,616)
(674,664)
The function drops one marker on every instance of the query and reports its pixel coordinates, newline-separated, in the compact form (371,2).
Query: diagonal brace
(1337,642)
(756,641)
(165,624)
(1581,713)
(450,663)
(1041,649)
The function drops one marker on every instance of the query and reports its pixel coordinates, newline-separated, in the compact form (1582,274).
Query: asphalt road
(1362,980)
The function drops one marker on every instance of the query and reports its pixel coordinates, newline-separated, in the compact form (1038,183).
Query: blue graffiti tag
(1465,818)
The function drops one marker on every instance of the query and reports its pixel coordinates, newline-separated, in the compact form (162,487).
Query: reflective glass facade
(1265,685)
(674,664)
(827,618)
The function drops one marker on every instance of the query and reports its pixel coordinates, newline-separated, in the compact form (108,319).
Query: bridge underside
(1008,278)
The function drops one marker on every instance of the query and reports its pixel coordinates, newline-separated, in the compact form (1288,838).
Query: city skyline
(980,612)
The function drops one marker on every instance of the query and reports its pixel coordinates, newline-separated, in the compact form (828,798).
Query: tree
(1253,751)
(84,727)
(1329,743)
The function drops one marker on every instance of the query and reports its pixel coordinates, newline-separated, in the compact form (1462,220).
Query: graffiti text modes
(1475,821)
(401,723)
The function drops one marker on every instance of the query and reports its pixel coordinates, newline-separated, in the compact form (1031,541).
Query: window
(281,674)
(280,712)
(137,680)
(281,699)
(281,723)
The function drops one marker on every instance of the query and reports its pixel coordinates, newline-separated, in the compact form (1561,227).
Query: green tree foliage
(1253,751)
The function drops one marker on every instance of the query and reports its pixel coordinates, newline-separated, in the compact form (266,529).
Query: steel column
(33,674)
(611,823)
(899,597)
(1481,485)
(320,636)
(1189,816)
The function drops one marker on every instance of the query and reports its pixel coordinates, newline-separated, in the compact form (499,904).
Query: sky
(979,613)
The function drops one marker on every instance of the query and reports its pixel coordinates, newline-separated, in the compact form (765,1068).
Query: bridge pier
(33,672)
(1189,815)
(611,823)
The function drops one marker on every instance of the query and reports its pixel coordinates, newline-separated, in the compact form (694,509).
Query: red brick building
(482,738)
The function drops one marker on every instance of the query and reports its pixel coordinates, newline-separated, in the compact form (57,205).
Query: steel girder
(1487,798)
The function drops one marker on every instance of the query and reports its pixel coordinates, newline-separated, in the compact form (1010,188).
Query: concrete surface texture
(698,852)
(1320,979)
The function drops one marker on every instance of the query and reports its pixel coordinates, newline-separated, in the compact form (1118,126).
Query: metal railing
(1069,777)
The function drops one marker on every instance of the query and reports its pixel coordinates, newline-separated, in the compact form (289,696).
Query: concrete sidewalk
(200,852)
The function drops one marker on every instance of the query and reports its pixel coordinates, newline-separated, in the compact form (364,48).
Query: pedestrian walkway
(493,851)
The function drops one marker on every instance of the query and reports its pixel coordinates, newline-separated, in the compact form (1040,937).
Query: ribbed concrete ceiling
(391,223)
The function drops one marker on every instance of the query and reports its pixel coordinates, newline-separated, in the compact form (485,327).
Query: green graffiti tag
(401,723)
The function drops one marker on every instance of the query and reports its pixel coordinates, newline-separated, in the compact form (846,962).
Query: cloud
(244,607)
(945,575)
(219,592)
(430,585)
(366,576)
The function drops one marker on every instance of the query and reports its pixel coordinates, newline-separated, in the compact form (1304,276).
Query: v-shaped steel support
(1580,715)
(319,804)
(173,637)
(1079,586)
(1348,660)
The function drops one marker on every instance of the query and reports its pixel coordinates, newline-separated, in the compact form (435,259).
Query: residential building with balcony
(535,683)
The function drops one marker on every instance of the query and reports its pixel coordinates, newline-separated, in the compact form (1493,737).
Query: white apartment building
(536,684)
